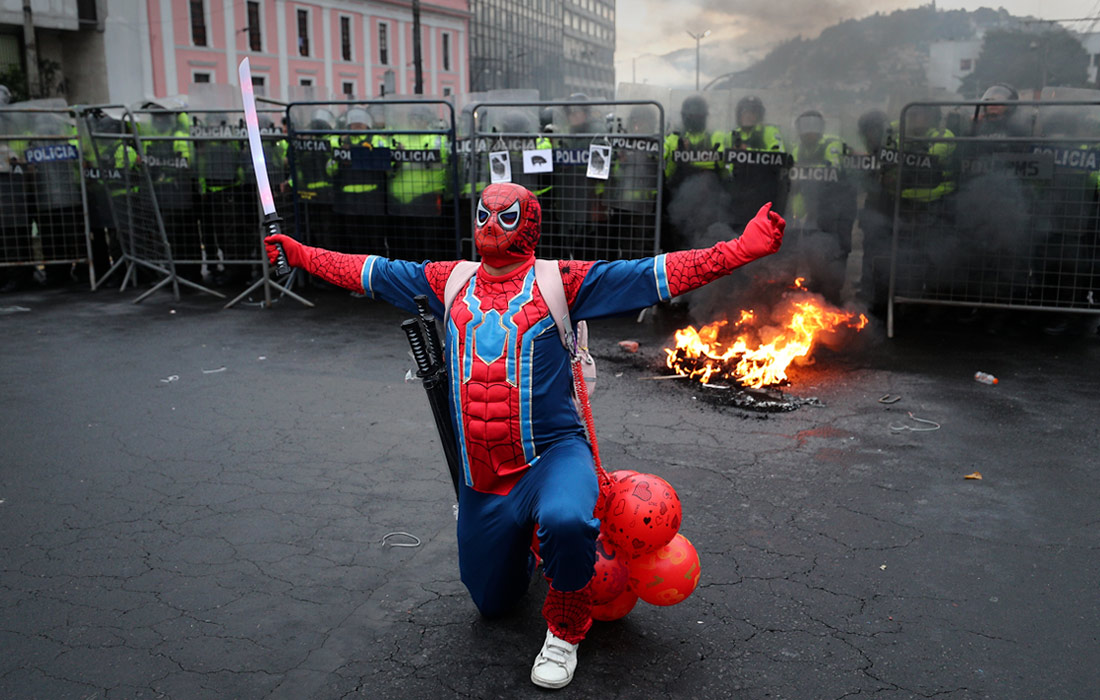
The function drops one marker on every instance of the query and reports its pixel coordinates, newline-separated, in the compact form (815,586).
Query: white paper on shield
(599,161)
(500,167)
(538,160)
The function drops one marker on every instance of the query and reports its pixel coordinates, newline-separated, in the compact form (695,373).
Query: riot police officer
(578,208)
(823,199)
(311,174)
(695,177)
(169,156)
(757,162)
(633,185)
(876,217)
(418,187)
(16,200)
(359,181)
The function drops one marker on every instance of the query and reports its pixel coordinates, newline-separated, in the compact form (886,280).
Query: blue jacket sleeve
(620,286)
(398,282)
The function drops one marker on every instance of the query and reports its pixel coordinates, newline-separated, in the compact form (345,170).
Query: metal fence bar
(201,167)
(998,219)
(367,185)
(616,216)
(43,200)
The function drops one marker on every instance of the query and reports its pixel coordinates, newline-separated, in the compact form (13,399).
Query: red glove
(341,269)
(295,252)
(691,269)
(762,236)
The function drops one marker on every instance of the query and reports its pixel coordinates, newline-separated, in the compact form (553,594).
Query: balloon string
(581,390)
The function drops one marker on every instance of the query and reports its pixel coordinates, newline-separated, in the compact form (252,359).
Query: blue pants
(494,532)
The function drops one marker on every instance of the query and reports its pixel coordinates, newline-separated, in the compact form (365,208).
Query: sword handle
(272,227)
(415,333)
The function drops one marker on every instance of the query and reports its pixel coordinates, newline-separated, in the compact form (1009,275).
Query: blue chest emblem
(492,335)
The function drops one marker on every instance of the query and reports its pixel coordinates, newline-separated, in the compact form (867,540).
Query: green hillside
(868,59)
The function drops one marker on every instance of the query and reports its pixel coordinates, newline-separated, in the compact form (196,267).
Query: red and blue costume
(525,458)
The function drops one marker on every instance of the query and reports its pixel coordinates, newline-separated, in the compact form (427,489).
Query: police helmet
(873,127)
(357,115)
(163,120)
(694,106)
(321,119)
(810,122)
(750,103)
(1000,92)
(515,122)
(872,122)
(546,119)
(693,113)
(105,124)
(575,108)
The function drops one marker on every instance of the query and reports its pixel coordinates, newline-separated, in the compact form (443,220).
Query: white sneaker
(555,664)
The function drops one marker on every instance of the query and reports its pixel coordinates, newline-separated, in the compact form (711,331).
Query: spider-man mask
(508,222)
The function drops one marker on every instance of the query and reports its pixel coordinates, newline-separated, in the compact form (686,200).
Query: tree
(1028,60)
(49,73)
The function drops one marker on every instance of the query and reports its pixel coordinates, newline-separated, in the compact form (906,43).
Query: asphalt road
(193,502)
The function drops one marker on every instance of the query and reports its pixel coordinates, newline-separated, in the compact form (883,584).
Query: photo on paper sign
(538,160)
(500,167)
(599,161)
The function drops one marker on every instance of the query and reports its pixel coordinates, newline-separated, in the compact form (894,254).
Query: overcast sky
(648,29)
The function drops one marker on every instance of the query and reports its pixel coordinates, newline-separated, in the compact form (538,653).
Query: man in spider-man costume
(525,458)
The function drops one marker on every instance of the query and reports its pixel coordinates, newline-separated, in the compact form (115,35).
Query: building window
(383,45)
(303,32)
(446,52)
(259,85)
(345,38)
(198,23)
(348,89)
(200,78)
(447,92)
(305,82)
(966,64)
(255,39)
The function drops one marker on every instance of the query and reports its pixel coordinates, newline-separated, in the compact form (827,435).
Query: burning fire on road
(755,350)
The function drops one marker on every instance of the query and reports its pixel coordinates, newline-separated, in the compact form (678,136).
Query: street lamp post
(698,38)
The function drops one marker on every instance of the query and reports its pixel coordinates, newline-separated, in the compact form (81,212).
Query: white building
(951,61)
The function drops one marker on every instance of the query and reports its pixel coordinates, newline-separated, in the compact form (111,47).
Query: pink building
(323,48)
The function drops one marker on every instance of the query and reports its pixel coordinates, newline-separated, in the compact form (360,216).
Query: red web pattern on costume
(691,269)
(342,269)
(437,274)
(572,275)
(568,614)
(490,404)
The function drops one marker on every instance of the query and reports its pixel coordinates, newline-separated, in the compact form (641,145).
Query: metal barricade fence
(124,229)
(201,177)
(375,176)
(608,208)
(42,193)
(117,155)
(999,217)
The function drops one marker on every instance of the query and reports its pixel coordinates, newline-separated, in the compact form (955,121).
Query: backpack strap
(548,277)
(456,282)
